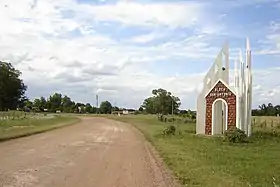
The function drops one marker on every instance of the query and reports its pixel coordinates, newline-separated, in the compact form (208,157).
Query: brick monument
(220,92)
(220,106)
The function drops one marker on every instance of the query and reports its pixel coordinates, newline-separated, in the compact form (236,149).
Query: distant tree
(115,108)
(37,104)
(80,107)
(28,104)
(277,110)
(105,107)
(93,110)
(43,103)
(141,109)
(149,105)
(88,108)
(266,110)
(55,102)
(67,104)
(162,102)
(12,88)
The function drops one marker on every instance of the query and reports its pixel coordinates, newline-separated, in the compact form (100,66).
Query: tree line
(267,110)
(57,102)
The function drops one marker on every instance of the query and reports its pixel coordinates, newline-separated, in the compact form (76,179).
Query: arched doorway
(219,116)
(220,109)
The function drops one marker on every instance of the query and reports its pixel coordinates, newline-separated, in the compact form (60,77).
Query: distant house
(123,112)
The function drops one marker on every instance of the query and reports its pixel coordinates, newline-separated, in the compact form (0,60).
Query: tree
(12,88)
(28,104)
(67,104)
(266,110)
(55,102)
(38,104)
(80,107)
(115,108)
(88,108)
(105,107)
(43,103)
(141,109)
(93,109)
(149,105)
(162,102)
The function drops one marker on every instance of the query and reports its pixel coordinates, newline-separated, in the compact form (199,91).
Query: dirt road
(97,152)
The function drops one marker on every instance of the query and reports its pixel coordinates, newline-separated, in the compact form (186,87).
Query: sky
(122,50)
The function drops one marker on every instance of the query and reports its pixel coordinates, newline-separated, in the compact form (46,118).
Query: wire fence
(266,123)
(16,115)
(259,123)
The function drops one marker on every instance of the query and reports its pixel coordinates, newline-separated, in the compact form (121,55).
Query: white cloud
(146,38)
(39,39)
(152,14)
(270,45)
(239,3)
(266,89)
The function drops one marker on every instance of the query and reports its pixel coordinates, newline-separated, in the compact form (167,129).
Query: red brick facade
(220,91)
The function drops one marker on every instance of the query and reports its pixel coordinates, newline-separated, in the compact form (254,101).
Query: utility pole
(97,110)
(172,106)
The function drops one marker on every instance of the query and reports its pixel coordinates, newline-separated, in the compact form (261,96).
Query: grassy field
(207,161)
(266,123)
(19,127)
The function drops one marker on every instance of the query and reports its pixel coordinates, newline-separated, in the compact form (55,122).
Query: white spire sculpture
(214,117)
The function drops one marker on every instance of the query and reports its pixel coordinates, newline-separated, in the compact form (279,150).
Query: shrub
(188,120)
(235,135)
(170,130)
(160,118)
(171,119)
(179,120)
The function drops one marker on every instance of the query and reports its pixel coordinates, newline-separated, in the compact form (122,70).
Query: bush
(188,120)
(162,118)
(171,119)
(179,120)
(170,130)
(235,135)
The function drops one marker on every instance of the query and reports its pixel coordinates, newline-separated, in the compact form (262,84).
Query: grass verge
(208,161)
(11,129)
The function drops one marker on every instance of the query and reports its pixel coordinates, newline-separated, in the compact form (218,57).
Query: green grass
(11,129)
(208,161)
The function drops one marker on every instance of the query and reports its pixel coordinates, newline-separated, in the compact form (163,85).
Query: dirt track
(97,152)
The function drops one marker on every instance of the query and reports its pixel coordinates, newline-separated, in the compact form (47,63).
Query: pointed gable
(220,90)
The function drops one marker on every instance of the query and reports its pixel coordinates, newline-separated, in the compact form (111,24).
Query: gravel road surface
(96,152)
